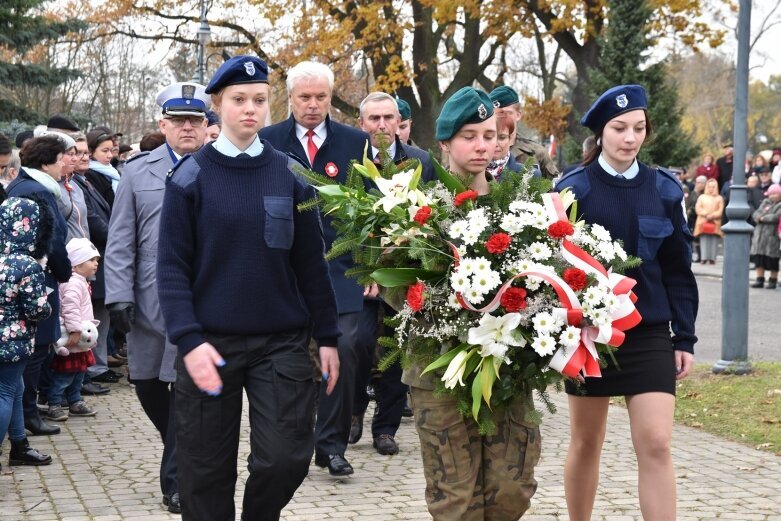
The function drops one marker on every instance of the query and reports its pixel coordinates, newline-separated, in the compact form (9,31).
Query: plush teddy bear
(89,337)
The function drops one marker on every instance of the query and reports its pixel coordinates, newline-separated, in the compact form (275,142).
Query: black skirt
(646,364)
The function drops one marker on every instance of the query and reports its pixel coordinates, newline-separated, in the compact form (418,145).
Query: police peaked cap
(238,70)
(467,105)
(184,99)
(614,101)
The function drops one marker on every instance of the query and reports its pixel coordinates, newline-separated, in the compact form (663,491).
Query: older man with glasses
(131,281)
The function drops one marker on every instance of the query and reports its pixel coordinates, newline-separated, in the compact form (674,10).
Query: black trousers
(334,412)
(158,399)
(391,393)
(276,373)
(31,376)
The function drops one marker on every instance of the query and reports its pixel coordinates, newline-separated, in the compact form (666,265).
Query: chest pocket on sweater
(653,231)
(279,221)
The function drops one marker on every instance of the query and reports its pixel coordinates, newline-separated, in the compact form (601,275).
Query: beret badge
(622,101)
(249,68)
(482,112)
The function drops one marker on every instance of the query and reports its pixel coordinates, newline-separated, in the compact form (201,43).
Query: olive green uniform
(524,148)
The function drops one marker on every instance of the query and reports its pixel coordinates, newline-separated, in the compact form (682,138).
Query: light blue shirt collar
(224,146)
(630,173)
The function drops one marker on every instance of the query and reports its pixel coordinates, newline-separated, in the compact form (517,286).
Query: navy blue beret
(212,118)
(238,70)
(613,102)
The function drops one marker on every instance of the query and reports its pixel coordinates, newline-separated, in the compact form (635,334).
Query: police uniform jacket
(342,144)
(131,257)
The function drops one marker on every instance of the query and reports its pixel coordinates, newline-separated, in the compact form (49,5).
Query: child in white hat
(76,317)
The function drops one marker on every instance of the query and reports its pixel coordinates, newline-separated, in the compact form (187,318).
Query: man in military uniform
(131,253)
(507,104)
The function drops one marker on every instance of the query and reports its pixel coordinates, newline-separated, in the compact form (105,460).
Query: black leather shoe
(38,427)
(93,389)
(386,445)
(356,429)
(23,454)
(109,377)
(336,464)
(172,502)
(406,412)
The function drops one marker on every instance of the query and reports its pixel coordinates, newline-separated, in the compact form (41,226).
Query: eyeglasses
(179,121)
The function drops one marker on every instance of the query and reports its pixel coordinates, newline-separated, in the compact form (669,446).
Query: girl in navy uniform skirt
(243,282)
(642,207)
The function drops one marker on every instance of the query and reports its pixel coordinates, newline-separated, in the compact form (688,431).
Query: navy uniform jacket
(646,213)
(404,151)
(341,145)
(58,266)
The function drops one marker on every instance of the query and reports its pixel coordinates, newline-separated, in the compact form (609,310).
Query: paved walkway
(105,469)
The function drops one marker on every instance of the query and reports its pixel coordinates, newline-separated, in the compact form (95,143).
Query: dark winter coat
(25,227)
(765,239)
(98,217)
(58,267)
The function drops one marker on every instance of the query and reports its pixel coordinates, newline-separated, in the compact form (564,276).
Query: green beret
(467,105)
(404,109)
(504,96)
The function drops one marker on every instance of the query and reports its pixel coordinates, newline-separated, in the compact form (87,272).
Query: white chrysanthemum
(600,233)
(611,302)
(593,296)
(544,323)
(600,317)
(539,251)
(457,229)
(459,281)
(544,345)
(541,222)
(584,238)
(470,237)
(467,265)
(474,296)
(452,301)
(525,264)
(517,206)
(570,337)
(476,216)
(486,281)
(481,265)
(533,283)
(606,251)
(619,251)
(511,224)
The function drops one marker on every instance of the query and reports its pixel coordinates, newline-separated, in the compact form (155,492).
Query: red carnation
(415,296)
(576,278)
(513,300)
(560,229)
(422,215)
(469,195)
(498,243)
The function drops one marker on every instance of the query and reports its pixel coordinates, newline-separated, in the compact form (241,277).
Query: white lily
(567,197)
(495,335)
(454,374)
(396,191)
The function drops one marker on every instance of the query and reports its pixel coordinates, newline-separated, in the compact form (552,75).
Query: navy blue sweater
(646,214)
(236,257)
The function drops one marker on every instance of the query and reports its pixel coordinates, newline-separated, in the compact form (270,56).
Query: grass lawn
(746,409)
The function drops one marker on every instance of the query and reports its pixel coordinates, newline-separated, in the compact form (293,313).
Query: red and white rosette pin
(331,170)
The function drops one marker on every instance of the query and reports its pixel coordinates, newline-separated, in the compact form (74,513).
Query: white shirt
(630,173)
(318,138)
(391,151)
(224,146)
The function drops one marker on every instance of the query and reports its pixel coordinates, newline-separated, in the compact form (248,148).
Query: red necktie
(311,147)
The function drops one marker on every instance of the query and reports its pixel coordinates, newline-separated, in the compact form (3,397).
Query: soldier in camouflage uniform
(470,477)
(507,104)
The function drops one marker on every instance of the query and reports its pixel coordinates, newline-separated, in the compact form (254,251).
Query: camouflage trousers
(470,477)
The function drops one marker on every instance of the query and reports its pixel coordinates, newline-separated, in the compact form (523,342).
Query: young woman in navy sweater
(243,283)
(642,207)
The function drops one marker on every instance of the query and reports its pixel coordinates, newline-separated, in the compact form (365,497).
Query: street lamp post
(204,36)
(734,289)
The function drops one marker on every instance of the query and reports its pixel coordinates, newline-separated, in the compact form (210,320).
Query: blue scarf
(106,170)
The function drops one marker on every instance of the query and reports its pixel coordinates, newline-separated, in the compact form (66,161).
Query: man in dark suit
(327,147)
(725,165)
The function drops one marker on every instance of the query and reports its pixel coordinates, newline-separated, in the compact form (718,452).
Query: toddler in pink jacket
(71,364)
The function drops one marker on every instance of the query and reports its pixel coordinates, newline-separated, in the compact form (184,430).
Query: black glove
(122,316)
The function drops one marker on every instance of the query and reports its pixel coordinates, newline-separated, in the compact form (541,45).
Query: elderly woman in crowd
(765,242)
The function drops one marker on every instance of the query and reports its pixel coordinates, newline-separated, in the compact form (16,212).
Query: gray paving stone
(106,469)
